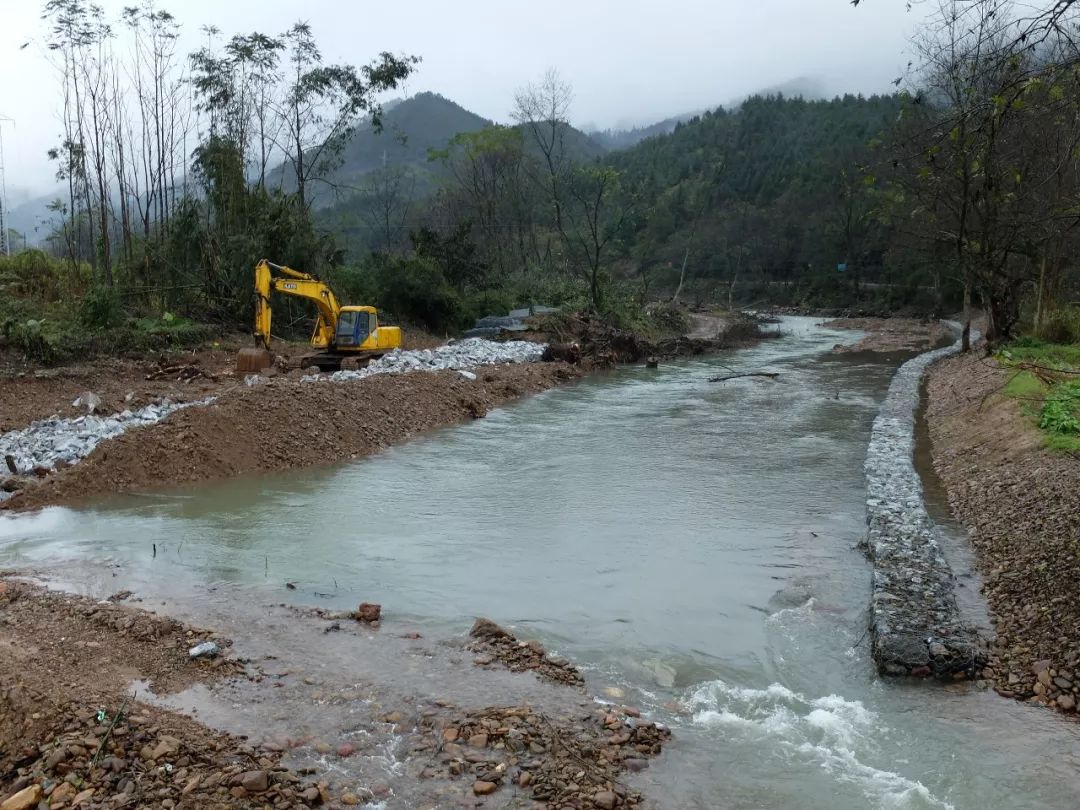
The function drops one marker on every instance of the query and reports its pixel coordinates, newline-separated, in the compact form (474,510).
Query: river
(686,541)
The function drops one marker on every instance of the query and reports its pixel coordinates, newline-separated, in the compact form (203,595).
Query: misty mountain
(31,217)
(804,87)
(411,128)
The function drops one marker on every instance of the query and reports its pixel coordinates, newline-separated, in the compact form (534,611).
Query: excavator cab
(354,326)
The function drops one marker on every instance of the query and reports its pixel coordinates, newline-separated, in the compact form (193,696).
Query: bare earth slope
(1022,505)
(285,424)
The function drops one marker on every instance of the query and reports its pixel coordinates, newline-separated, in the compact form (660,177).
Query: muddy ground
(75,733)
(1021,503)
(29,392)
(892,334)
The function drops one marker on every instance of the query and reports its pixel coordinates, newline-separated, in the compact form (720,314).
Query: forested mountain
(410,129)
(771,190)
(803,87)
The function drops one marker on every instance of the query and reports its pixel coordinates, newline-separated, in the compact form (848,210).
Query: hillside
(806,88)
(765,189)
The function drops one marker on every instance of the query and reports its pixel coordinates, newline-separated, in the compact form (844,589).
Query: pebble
(482,788)
(23,800)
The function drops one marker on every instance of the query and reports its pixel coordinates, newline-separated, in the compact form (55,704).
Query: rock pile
(51,442)
(559,762)
(458,355)
(497,645)
(87,758)
(915,622)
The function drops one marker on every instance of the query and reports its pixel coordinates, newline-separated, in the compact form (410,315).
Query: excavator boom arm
(302,285)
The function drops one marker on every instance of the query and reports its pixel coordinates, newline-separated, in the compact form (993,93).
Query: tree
(542,111)
(323,103)
(594,215)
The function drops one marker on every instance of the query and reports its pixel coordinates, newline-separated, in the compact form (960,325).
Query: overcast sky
(630,61)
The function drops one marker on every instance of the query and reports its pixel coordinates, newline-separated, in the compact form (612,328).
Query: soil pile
(286,423)
(1021,503)
(599,344)
(29,395)
(71,735)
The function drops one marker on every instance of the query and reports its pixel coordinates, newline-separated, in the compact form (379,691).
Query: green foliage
(43,340)
(101,308)
(1061,326)
(1049,355)
(1055,408)
(35,275)
(414,290)
(770,197)
(1061,411)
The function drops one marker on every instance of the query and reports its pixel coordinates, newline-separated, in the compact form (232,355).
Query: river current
(689,543)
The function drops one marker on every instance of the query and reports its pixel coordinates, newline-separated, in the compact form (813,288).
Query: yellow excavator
(342,334)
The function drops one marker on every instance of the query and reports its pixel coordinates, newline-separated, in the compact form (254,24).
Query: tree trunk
(1039,296)
(965,339)
(682,277)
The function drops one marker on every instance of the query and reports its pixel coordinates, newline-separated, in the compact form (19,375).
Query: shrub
(1061,326)
(1061,410)
(101,309)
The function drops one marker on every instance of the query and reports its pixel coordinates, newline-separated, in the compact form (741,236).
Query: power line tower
(5,242)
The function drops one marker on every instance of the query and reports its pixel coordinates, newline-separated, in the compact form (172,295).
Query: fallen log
(772,375)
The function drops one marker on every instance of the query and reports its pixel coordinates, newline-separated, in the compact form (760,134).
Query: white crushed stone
(48,442)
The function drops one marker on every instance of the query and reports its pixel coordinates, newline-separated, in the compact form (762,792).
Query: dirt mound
(892,334)
(1021,502)
(599,344)
(284,424)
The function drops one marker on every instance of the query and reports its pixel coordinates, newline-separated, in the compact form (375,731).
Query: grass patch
(1045,384)
(1060,356)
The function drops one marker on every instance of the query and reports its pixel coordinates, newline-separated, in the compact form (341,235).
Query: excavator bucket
(252,361)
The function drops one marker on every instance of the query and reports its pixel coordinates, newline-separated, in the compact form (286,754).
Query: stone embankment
(915,624)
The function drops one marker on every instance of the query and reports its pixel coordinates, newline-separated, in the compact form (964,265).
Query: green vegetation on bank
(51,313)
(1045,379)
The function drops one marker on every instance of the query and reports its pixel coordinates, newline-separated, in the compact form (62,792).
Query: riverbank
(77,733)
(1020,502)
(286,423)
(892,334)
(73,733)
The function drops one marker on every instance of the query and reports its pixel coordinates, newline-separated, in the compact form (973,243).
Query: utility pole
(5,242)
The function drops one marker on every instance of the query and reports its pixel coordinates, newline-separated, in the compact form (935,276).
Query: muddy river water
(680,540)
